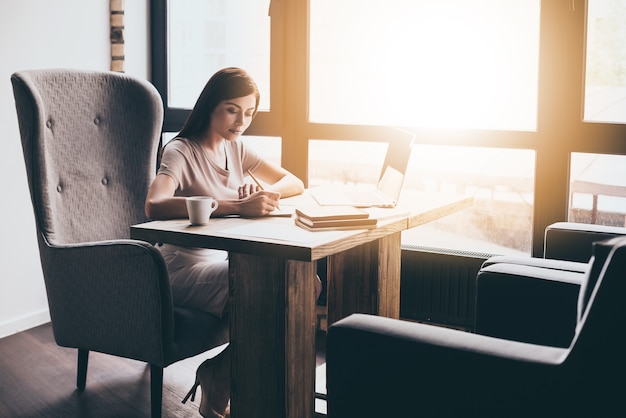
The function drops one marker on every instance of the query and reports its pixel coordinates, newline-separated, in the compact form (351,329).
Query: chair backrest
(90,142)
(597,263)
(597,351)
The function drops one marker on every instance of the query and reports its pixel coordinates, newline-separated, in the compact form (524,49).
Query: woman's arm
(278,179)
(162,204)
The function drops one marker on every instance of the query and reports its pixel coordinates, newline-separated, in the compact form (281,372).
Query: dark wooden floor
(38,379)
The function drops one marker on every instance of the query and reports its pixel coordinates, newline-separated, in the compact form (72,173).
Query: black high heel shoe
(192,391)
(213,376)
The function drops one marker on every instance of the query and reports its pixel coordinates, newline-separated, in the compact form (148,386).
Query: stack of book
(323,218)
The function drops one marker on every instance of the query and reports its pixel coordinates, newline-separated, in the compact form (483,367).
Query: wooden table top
(280,237)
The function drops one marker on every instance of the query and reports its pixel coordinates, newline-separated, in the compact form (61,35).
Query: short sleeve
(174,161)
(250,160)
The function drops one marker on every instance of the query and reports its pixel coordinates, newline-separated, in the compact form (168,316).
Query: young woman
(208,158)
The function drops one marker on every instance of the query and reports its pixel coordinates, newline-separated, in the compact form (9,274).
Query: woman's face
(233,116)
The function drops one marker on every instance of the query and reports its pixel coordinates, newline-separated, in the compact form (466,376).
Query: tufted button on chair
(90,142)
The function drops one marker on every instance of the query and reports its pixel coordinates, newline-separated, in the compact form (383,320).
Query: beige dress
(199,277)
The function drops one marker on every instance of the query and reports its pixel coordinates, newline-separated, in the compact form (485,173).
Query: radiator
(438,286)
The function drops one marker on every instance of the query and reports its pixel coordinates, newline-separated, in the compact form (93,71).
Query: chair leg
(156,390)
(83,361)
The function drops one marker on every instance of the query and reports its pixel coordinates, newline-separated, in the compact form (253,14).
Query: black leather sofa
(534,299)
(381,367)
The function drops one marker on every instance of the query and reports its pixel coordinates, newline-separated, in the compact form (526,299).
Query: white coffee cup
(200,209)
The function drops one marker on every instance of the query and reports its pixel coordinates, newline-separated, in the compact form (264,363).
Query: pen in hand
(258,184)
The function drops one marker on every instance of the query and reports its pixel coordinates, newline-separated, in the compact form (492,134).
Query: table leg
(365,279)
(272,335)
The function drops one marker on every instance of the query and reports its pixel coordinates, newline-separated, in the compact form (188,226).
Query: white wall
(46,34)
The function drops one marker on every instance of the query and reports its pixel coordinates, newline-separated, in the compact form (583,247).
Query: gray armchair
(90,143)
(384,367)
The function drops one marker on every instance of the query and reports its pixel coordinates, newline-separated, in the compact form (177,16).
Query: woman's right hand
(260,203)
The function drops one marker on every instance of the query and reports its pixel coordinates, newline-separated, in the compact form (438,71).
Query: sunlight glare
(446,63)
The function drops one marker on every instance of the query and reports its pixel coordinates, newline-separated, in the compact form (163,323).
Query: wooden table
(272,274)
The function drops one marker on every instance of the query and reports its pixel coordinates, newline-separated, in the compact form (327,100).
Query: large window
(605,87)
(516,103)
(501,181)
(445,63)
(192,39)
(435,64)
(598,189)
(202,39)
(597,181)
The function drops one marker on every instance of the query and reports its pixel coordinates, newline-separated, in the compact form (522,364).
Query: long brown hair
(227,83)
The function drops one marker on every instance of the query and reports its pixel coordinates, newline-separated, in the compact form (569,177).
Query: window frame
(264,124)
(560,126)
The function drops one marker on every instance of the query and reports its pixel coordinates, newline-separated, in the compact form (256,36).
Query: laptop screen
(390,184)
(388,187)
(394,167)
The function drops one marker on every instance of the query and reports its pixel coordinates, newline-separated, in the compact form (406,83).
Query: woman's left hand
(246,190)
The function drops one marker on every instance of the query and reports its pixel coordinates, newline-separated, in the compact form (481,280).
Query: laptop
(388,188)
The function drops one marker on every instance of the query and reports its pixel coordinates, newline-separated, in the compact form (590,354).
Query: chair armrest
(111,296)
(573,266)
(384,367)
(572,241)
(528,303)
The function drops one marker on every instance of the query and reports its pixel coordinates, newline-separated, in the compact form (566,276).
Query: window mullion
(295,84)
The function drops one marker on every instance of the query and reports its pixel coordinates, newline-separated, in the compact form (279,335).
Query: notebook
(336,225)
(388,188)
(331,213)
